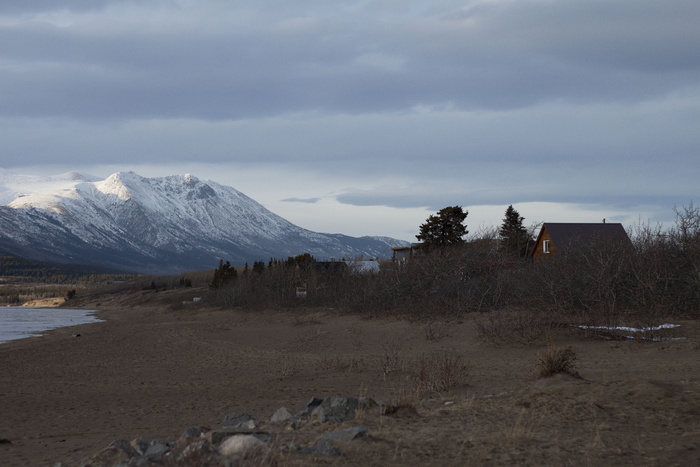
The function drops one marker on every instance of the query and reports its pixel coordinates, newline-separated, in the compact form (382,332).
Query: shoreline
(40,320)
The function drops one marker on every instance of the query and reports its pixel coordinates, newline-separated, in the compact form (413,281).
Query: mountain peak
(155,225)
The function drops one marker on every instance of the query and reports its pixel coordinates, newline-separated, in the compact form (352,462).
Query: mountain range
(155,225)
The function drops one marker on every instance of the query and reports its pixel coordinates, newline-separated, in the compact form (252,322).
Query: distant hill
(155,225)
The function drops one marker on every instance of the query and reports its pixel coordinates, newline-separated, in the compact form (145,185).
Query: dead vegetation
(554,361)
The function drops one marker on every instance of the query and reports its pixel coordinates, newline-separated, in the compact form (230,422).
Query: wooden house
(402,253)
(555,237)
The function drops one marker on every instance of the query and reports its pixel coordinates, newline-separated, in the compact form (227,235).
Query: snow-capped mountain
(154,225)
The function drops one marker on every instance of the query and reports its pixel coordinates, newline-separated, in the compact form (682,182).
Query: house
(405,252)
(401,253)
(555,237)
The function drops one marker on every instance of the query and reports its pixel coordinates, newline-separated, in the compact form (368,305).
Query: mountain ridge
(155,225)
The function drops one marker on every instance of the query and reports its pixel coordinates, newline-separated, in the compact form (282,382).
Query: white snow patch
(636,331)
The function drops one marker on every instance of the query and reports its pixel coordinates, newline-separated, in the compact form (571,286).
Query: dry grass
(554,360)
(390,360)
(440,372)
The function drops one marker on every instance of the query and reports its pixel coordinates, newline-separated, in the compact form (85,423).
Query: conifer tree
(224,274)
(444,229)
(514,238)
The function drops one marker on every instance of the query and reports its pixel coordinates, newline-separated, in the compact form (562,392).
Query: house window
(545,246)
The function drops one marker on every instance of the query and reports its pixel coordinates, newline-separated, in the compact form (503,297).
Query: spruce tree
(444,229)
(224,274)
(514,238)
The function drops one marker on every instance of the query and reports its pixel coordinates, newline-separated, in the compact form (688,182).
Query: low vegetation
(554,361)
(489,274)
(599,283)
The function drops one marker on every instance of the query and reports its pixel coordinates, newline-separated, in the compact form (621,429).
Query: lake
(18,322)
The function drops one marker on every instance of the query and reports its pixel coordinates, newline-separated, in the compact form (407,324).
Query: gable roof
(563,234)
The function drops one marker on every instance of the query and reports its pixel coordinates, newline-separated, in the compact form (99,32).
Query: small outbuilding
(557,237)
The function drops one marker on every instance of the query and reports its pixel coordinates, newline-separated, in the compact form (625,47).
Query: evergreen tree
(224,274)
(514,238)
(446,228)
(258,267)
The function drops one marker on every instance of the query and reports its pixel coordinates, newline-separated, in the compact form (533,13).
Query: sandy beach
(152,372)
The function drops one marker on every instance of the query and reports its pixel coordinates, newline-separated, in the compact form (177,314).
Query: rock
(343,436)
(144,461)
(118,452)
(235,419)
(217,436)
(323,449)
(199,452)
(141,445)
(241,445)
(366,403)
(193,432)
(337,409)
(240,420)
(157,450)
(281,415)
(326,445)
(313,403)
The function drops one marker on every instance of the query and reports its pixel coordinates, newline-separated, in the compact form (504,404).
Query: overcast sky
(364,117)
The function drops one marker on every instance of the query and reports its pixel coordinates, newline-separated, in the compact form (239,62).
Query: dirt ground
(152,373)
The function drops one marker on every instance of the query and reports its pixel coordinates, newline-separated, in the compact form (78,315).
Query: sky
(365,117)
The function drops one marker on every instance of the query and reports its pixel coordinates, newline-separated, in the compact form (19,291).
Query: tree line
(15,270)
(658,277)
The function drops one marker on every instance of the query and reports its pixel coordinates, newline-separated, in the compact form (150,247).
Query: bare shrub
(440,372)
(403,397)
(390,360)
(554,360)
(513,326)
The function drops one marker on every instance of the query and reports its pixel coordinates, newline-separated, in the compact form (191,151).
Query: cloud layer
(411,104)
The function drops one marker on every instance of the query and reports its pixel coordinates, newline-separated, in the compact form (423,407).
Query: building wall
(538,252)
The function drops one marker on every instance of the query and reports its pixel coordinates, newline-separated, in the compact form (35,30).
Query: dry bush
(554,360)
(405,396)
(390,360)
(513,326)
(440,372)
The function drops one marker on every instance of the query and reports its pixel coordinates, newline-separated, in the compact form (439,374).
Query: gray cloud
(425,104)
(301,200)
(211,61)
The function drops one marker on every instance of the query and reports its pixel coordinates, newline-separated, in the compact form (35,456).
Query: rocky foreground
(242,437)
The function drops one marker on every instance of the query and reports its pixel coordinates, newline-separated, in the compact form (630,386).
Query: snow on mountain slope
(154,224)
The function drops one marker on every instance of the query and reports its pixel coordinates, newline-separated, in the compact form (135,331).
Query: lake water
(18,322)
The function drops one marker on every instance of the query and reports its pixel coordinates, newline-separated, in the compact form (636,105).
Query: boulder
(193,432)
(217,436)
(157,450)
(118,452)
(338,409)
(141,445)
(240,420)
(323,449)
(281,415)
(343,436)
(241,446)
